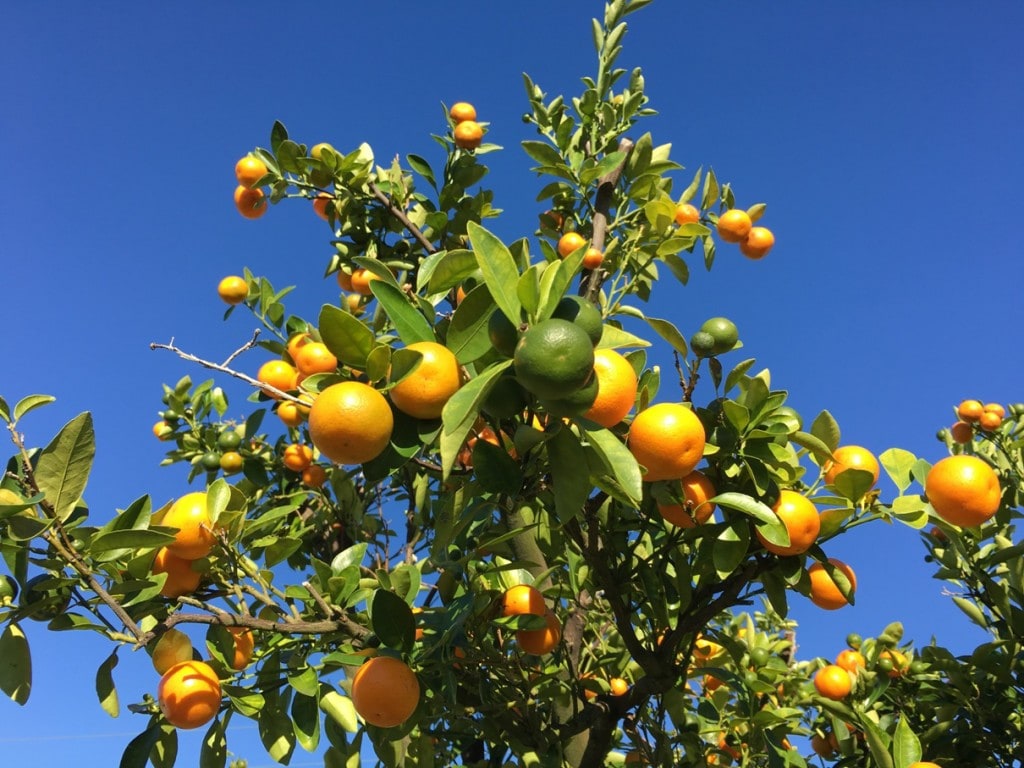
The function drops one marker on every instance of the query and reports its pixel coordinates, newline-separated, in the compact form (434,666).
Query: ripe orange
(344,280)
(320,203)
(801,520)
(244,645)
(995,408)
(297,457)
(232,289)
(361,279)
(711,683)
(385,692)
(468,134)
(734,225)
(523,599)
(697,489)
(706,650)
(970,410)
(541,641)
(181,579)
(195,537)
(899,660)
(687,214)
(833,682)
(350,422)
(423,393)
(619,687)
(616,388)
(172,648)
(961,432)
(354,303)
(231,462)
(824,592)
(278,374)
(990,421)
(291,413)
(163,430)
(850,660)
(462,111)
(757,243)
(569,242)
(850,457)
(666,439)
(251,203)
(314,357)
(249,170)
(314,476)
(963,490)
(822,746)
(189,694)
(592,258)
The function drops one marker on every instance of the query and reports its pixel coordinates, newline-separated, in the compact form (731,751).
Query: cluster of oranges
(570,242)
(250,199)
(468,133)
(973,414)
(527,600)
(194,540)
(736,226)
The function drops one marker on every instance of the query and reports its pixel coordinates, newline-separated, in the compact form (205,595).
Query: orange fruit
(162,430)
(822,746)
(354,303)
(361,279)
(231,462)
(666,439)
(293,414)
(963,490)
(350,422)
(833,682)
(616,388)
(711,683)
(320,203)
(592,258)
(344,280)
(181,579)
(899,660)
(687,214)
(462,111)
(728,748)
(232,289)
(424,392)
(757,243)
(995,408)
(249,170)
(990,421)
(961,432)
(970,410)
(314,476)
(924,764)
(385,691)
(734,225)
(277,374)
(824,592)
(706,650)
(802,521)
(850,457)
(850,660)
(521,600)
(541,641)
(468,134)
(195,537)
(697,489)
(569,242)
(244,645)
(619,687)
(172,648)
(314,357)
(297,457)
(251,203)
(189,694)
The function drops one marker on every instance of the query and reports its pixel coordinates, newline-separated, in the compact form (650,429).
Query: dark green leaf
(214,752)
(277,134)
(495,470)
(410,324)
(619,463)
(542,153)
(277,734)
(392,620)
(806,440)
(460,413)
(136,754)
(444,270)
(345,336)
(15,664)
(467,333)
(570,486)
(731,549)
(422,167)
(306,721)
(64,465)
(5,411)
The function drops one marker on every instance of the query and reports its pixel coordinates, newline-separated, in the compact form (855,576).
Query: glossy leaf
(63,467)
(306,721)
(467,334)
(460,413)
(339,708)
(30,403)
(346,337)
(499,269)
(409,323)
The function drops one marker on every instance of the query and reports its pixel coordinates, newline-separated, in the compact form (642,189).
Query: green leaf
(278,134)
(528,287)
(616,338)
(276,734)
(136,754)
(495,470)
(214,752)
(467,334)
(339,708)
(906,748)
(130,539)
(245,701)
(304,680)
(731,549)
(499,269)
(877,745)
(461,411)
(853,483)
(306,721)
(748,505)
(30,403)
(164,753)
(898,465)
(410,324)
(542,153)
(346,337)
(806,440)
(105,689)
(15,664)
(826,430)
(5,411)
(392,620)
(972,611)
(619,464)
(64,465)
(570,486)
(669,333)
(422,167)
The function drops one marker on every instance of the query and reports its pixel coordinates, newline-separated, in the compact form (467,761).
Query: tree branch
(399,214)
(602,208)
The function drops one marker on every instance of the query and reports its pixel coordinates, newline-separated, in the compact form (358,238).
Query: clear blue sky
(884,138)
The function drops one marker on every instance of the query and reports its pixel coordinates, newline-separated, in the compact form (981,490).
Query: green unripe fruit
(702,344)
(44,603)
(553,359)
(210,460)
(854,640)
(578,310)
(8,590)
(577,403)
(229,440)
(503,335)
(724,332)
(759,657)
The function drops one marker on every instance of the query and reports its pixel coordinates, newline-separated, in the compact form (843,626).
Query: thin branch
(399,214)
(602,208)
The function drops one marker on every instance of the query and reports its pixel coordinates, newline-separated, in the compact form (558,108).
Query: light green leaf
(130,539)
(339,708)
(467,333)
(898,464)
(906,748)
(499,269)
(669,333)
(64,465)
(620,465)
(806,440)
(30,403)
(461,411)
(826,430)
(616,338)
(105,689)
(15,664)
(5,411)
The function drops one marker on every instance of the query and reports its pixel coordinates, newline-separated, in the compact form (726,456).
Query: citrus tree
(470,518)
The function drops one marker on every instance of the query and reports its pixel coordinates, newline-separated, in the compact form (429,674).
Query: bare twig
(322,604)
(399,214)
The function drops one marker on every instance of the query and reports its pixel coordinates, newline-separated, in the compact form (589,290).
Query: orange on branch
(833,682)
(277,374)
(314,357)
(850,457)
(195,537)
(687,214)
(181,579)
(385,691)
(696,490)
(801,519)
(757,243)
(963,490)
(462,111)
(570,242)
(616,388)
(734,225)
(232,290)
(541,641)
(249,170)
(189,694)
(251,203)
(350,423)
(521,600)
(666,439)
(468,134)
(423,393)
(297,457)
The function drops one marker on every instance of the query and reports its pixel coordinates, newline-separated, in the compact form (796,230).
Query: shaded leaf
(214,752)
(64,465)
(392,620)
(105,689)
(15,664)
(571,487)
(306,721)
(467,334)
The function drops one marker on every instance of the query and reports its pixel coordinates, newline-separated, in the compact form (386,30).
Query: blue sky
(884,138)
